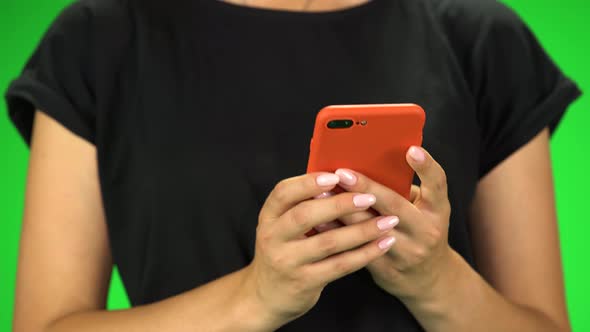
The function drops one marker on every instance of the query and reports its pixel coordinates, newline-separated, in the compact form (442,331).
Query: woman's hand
(289,269)
(421,254)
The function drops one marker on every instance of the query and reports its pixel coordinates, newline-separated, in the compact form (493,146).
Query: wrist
(249,310)
(449,282)
(444,305)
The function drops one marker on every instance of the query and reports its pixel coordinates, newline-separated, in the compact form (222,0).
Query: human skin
(515,241)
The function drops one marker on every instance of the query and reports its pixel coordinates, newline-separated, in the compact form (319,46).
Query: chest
(217,122)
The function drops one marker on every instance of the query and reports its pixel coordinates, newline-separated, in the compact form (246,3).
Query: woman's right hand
(289,269)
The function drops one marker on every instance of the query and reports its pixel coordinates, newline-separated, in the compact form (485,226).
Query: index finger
(388,202)
(289,192)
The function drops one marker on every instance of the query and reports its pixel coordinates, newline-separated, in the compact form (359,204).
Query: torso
(201,119)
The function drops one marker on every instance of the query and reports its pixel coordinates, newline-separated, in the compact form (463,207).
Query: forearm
(466,302)
(218,306)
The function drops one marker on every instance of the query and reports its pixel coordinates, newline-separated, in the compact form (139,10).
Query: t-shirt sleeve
(56,78)
(518,88)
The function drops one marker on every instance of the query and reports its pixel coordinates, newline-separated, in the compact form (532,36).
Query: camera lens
(340,124)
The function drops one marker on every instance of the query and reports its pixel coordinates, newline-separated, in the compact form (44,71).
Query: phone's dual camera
(344,123)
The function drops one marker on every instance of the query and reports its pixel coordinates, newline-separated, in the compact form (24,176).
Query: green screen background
(562,26)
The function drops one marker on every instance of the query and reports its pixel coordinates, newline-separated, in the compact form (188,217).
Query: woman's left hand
(413,267)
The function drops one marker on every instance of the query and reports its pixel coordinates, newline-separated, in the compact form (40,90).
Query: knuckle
(306,274)
(281,191)
(278,261)
(419,253)
(262,248)
(262,215)
(327,244)
(301,216)
(343,267)
(402,265)
(338,204)
(443,175)
(298,286)
(392,205)
(264,235)
(447,208)
(432,236)
(441,183)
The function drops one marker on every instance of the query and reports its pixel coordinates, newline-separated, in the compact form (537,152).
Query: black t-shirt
(196,117)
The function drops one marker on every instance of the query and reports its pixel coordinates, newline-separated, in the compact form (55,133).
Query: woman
(169,138)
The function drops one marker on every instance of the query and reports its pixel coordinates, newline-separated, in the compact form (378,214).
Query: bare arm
(65,262)
(515,234)
(513,222)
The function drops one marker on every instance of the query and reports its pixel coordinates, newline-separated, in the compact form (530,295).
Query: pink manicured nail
(364,200)
(387,223)
(387,242)
(346,177)
(327,180)
(417,154)
(324,195)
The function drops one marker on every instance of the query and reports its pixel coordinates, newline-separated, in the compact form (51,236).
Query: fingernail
(346,177)
(324,195)
(387,242)
(364,200)
(327,180)
(387,223)
(417,154)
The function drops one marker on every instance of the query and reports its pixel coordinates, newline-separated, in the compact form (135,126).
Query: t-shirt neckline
(292,14)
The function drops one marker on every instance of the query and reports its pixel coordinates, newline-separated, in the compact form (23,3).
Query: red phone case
(375,145)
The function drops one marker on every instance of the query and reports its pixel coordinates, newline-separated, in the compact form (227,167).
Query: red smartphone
(370,139)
